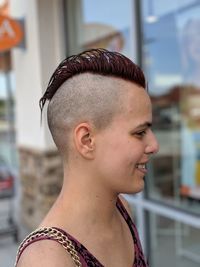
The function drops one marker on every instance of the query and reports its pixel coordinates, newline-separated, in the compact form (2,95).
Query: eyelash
(141,133)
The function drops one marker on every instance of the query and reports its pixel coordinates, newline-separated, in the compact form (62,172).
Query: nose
(152,144)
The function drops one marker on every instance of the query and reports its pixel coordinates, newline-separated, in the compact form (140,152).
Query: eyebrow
(145,124)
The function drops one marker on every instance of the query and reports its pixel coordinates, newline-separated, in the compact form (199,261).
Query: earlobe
(84,140)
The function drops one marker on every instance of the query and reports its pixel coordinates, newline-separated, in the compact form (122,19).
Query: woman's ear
(84,140)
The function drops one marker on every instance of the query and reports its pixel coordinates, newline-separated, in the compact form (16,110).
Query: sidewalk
(7,252)
(8,247)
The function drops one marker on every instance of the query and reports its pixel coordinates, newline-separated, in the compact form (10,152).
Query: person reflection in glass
(190,102)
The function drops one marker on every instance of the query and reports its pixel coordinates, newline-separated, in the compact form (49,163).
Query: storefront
(163,37)
(171,60)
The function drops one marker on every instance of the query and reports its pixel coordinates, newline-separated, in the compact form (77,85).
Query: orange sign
(11,33)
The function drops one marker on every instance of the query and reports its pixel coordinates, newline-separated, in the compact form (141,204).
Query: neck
(89,202)
(84,199)
(84,196)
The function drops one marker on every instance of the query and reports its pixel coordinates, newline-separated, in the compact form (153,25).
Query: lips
(142,167)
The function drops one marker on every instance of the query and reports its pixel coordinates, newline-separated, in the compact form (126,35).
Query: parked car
(6,180)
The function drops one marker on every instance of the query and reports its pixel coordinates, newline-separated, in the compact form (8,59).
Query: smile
(141,167)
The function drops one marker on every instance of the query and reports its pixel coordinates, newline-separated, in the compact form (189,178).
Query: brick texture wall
(41,177)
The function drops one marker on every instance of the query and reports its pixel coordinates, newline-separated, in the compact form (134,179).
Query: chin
(132,186)
(138,188)
(134,189)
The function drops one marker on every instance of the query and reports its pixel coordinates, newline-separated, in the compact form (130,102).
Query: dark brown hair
(97,61)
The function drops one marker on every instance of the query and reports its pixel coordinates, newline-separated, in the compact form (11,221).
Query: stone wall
(41,176)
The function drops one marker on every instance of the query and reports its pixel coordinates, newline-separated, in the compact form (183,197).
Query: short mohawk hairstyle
(96,61)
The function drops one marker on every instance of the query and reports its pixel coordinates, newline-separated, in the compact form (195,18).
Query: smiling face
(123,148)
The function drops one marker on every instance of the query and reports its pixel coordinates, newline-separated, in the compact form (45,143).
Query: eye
(141,133)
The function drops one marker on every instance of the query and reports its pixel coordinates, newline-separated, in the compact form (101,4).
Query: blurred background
(163,37)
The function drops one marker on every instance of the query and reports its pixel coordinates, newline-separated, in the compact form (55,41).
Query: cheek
(112,157)
(120,159)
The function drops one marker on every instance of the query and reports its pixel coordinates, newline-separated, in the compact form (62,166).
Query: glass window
(173,243)
(99,24)
(8,151)
(171,59)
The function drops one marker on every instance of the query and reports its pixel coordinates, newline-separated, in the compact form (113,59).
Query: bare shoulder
(126,205)
(45,253)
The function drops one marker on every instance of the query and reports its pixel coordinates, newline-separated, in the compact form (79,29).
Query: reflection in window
(8,151)
(102,24)
(171,58)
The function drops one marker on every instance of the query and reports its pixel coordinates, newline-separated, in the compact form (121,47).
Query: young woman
(100,117)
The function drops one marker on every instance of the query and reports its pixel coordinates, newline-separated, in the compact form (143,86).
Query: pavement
(8,250)
(8,243)
(10,210)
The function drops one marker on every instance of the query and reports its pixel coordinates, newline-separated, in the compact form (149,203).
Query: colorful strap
(52,234)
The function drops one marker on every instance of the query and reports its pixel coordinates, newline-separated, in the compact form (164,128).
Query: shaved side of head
(87,88)
(86,97)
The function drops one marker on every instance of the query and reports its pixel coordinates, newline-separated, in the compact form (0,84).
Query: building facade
(162,37)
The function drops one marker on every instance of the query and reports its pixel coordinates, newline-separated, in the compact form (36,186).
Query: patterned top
(87,259)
